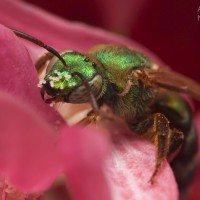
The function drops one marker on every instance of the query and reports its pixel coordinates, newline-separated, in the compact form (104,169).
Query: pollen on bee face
(72,84)
(41,82)
(67,76)
(57,72)
(54,78)
(61,87)
(51,84)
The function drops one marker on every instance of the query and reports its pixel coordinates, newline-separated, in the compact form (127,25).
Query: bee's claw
(151,180)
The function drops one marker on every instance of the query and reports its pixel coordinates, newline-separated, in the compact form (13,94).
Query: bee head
(62,83)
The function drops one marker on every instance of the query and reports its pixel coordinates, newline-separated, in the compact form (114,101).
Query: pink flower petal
(83,155)
(130,168)
(127,170)
(28,158)
(18,75)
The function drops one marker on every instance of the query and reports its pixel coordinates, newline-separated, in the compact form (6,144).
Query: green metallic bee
(135,89)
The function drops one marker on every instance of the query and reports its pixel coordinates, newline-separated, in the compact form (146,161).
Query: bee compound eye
(81,93)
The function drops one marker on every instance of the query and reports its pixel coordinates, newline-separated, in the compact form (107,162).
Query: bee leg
(42,61)
(106,119)
(179,113)
(185,163)
(176,141)
(168,140)
(90,118)
(161,138)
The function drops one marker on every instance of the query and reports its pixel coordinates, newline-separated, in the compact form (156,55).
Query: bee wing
(171,80)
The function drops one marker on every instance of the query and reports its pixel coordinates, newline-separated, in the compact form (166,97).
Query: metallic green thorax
(118,61)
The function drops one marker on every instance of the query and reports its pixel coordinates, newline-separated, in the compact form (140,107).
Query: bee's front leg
(167,140)
(106,119)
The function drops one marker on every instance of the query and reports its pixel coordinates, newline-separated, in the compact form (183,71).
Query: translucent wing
(171,80)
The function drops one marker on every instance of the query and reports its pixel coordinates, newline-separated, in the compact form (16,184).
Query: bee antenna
(93,101)
(39,43)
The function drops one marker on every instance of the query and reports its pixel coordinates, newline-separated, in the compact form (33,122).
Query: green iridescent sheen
(178,104)
(75,63)
(120,59)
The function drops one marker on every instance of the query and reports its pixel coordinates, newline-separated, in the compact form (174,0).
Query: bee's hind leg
(167,140)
